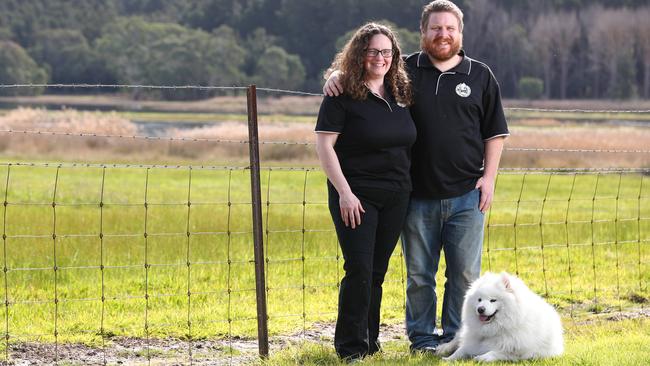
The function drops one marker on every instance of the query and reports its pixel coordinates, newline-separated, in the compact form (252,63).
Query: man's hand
(351,210)
(486,186)
(493,149)
(333,87)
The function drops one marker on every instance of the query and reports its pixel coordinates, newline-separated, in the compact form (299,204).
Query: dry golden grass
(584,104)
(69,120)
(577,137)
(227,141)
(269,102)
(66,121)
(239,131)
(291,142)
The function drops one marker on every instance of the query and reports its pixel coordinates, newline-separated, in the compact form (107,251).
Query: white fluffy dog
(504,320)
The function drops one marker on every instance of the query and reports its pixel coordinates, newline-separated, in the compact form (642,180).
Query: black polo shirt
(375,141)
(455,112)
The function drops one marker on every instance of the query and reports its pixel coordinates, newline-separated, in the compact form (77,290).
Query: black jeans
(366,251)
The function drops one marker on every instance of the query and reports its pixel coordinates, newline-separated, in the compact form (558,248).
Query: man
(461,131)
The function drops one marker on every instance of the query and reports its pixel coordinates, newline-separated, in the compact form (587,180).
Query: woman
(364,140)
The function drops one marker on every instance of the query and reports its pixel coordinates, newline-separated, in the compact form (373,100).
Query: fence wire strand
(283,143)
(269,90)
(606,188)
(183,266)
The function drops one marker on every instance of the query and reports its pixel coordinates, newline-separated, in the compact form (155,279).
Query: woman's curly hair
(350,61)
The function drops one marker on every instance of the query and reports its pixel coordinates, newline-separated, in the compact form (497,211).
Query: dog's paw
(445,349)
(486,357)
(453,357)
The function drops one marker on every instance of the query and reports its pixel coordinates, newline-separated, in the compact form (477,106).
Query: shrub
(530,87)
(16,67)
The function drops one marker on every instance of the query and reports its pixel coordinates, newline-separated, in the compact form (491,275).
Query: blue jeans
(454,225)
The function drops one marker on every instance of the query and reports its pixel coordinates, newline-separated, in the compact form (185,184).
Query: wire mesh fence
(136,254)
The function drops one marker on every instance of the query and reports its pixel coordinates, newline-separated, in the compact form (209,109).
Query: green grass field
(121,252)
(621,343)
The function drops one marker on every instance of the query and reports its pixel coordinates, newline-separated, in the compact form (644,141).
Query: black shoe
(374,348)
(353,359)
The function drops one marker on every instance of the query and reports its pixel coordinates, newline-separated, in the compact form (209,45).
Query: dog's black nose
(481,309)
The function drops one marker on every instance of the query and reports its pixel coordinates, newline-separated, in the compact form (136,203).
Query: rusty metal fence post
(256,206)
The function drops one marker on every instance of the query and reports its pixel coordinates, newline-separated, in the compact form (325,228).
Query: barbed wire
(578,110)
(119,86)
(286,143)
(119,165)
(130,137)
(144,86)
(542,170)
(504,170)
(616,151)
(277,90)
(148,137)
(150,166)
(290,92)
(228,277)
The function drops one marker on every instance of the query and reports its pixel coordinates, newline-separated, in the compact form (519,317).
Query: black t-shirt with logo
(455,112)
(375,141)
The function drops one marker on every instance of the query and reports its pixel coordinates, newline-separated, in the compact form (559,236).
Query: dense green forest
(536,48)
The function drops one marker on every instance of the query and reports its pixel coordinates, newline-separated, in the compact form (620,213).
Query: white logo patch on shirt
(463,90)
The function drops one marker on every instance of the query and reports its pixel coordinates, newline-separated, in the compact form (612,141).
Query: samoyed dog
(503,320)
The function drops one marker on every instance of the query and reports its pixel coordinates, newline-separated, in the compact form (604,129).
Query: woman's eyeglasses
(373,52)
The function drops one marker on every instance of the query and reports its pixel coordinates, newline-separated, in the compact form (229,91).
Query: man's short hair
(440,6)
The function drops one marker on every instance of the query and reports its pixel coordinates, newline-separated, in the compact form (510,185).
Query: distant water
(148,128)
(629,123)
(58,107)
(160,129)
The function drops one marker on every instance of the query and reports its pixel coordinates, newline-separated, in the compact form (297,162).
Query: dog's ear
(505,279)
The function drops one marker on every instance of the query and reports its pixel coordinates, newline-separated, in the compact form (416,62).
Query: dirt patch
(136,351)
(232,351)
(614,316)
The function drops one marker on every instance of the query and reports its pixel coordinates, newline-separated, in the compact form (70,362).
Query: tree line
(536,48)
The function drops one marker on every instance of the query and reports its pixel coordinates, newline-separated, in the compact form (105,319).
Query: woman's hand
(349,204)
(351,209)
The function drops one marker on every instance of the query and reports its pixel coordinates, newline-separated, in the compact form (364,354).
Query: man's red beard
(431,48)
